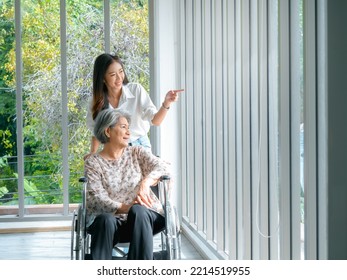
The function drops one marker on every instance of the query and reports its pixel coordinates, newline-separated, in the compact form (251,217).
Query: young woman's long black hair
(101,64)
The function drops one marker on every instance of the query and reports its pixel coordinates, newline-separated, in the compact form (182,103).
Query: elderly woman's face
(120,134)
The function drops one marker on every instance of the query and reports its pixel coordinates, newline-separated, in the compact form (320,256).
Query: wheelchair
(170,236)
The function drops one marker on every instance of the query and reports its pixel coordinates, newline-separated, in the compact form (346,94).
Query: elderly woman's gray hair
(107,118)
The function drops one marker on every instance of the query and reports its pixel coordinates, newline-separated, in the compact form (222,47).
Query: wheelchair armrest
(164,177)
(156,189)
(160,191)
(163,189)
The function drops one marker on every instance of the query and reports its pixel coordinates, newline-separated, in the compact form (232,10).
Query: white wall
(164,73)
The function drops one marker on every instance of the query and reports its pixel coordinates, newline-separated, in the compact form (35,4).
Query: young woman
(111,89)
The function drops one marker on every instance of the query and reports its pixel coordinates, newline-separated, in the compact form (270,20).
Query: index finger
(178,90)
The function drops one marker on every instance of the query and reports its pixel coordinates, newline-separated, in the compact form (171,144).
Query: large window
(249,183)
(45,84)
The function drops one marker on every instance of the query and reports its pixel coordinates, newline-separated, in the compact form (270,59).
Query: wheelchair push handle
(82,180)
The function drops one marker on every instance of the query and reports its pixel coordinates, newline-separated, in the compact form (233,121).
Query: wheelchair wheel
(173,233)
(78,235)
(73,241)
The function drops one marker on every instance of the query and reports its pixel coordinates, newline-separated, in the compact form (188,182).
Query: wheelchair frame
(170,236)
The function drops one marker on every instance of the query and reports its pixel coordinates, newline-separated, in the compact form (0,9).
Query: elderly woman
(120,202)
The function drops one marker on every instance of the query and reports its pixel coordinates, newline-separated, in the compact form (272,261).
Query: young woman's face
(114,76)
(120,134)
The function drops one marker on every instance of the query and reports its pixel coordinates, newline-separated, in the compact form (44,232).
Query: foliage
(7,96)
(3,191)
(6,41)
(132,43)
(7,180)
(42,84)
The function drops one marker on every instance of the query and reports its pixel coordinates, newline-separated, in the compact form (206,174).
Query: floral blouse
(112,182)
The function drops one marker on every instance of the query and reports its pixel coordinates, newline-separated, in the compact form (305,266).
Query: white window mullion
(322,131)
(295,106)
(246,136)
(107,26)
(64,106)
(310,131)
(262,187)
(183,119)
(190,182)
(254,114)
(218,124)
(273,77)
(198,117)
(154,58)
(19,108)
(208,182)
(214,68)
(284,131)
(239,144)
(230,155)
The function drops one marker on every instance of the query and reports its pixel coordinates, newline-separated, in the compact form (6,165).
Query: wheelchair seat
(170,236)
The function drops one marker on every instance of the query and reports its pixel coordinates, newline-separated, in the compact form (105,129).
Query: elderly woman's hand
(124,208)
(144,194)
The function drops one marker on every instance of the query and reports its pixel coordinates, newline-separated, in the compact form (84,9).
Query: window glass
(8,145)
(42,92)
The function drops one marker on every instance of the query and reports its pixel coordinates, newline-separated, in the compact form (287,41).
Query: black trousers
(107,230)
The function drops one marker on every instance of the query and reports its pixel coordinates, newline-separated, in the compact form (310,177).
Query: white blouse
(136,102)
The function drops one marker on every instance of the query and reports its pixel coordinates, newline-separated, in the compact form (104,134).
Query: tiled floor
(53,245)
